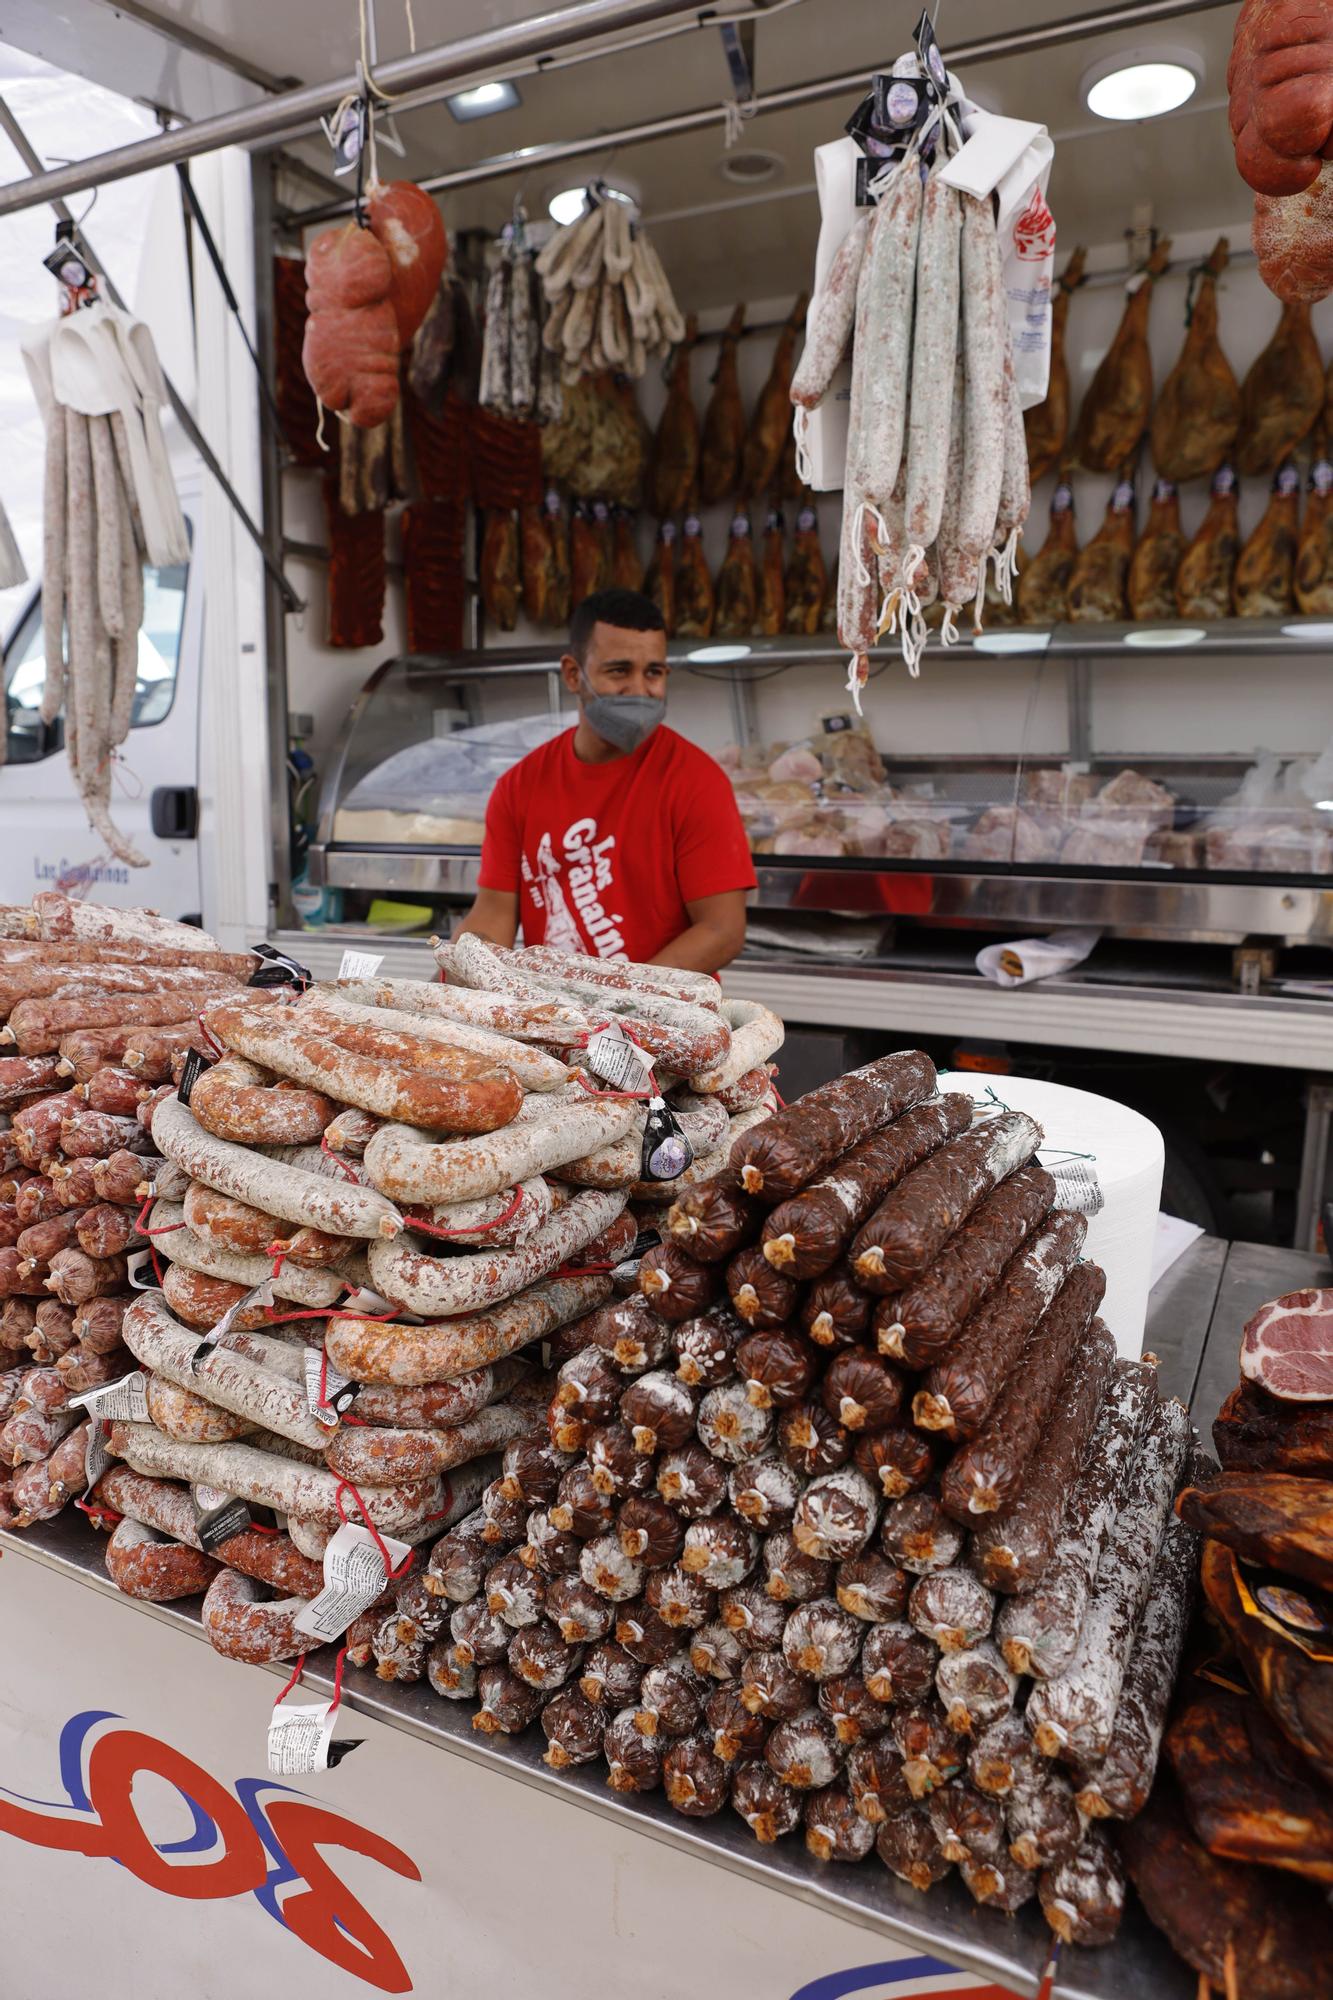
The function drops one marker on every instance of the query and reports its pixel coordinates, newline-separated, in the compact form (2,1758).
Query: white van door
(45,839)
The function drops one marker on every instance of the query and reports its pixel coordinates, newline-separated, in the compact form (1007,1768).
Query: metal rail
(984,48)
(290,112)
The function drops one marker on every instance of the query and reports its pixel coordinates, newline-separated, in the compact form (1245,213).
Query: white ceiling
(1180,165)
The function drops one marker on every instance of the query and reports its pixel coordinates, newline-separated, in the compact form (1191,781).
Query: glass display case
(1158,783)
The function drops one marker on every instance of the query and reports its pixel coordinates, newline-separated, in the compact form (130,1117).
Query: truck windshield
(159,649)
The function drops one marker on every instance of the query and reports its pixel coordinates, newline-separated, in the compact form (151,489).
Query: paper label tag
(262,1295)
(693,525)
(300,1739)
(125,1401)
(1122,500)
(1288,481)
(740,527)
(617,1060)
(1062,499)
(1076,1185)
(354,1576)
(195,1065)
(218,1516)
(667,533)
(1164,489)
(1224,482)
(360,964)
(339,1390)
(806,520)
(278,969)
(1321,476)
(96,1456)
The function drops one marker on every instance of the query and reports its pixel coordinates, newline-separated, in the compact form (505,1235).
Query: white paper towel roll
(1126,1151)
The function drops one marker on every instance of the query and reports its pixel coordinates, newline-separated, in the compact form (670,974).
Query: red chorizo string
(594,1091)
(346,1486)
(97,1513)
(141,1220)
(482,1228)
(296,1675)
(343,1166)
(208,1035)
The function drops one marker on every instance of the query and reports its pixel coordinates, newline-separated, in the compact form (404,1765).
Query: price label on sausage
(218,1516)
(262,1295)
(354,1576)
(125,1401)
(360,964)
(1076,1185)
(97,1452)
(300,1739)
(620,1062)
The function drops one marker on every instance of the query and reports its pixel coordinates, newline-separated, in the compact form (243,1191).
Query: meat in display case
(1155,782)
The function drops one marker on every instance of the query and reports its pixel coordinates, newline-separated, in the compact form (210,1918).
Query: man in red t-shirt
(618,838)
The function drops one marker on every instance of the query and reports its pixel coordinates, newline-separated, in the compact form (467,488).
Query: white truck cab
(45,841)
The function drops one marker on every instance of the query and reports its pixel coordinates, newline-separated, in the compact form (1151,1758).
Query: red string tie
(343,1166)
(481,1229)
(346,1486)
(208,1035)
(141,1220)
(96,1513)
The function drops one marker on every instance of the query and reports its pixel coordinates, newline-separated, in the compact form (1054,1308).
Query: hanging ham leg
(1266,566)
(1097,584)
(1281,396)
(676,447)
(1198,411)
(1152,572)
(1119,401)
(723,436)
(1208,566)
(1043,584)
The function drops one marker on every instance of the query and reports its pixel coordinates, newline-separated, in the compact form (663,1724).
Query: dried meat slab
(1288,1347)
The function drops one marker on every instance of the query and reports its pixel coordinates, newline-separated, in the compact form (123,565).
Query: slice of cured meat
(1288,1347)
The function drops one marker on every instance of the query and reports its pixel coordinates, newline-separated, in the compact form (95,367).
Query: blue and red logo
(242,1843)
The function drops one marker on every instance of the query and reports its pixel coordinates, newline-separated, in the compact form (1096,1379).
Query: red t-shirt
(605,857)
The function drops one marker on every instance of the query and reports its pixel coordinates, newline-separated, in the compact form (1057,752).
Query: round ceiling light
(568,204)
(751,167)
(1141,83)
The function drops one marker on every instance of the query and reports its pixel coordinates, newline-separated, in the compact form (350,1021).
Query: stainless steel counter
(1195,1319)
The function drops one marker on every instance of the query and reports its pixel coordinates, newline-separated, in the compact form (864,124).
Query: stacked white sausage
(610,303)
(375,1150)
(936,481)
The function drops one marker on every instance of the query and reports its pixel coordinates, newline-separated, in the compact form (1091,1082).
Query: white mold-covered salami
(620,1165)
(495,1221)
(1038,1629)
(310,1492)
(221,1376)
(1072,1716)
(884,336)
(407,1356)
(473,1094)
(338,1208)
(438,1405)
(674,982)
(242,1624)
(294,1281)
(340,1013)
(756,1035)
(410,1275)
(238,1100)
(538,1018)
(410,1165)
(188,1417)
(371,1454)
(831,318)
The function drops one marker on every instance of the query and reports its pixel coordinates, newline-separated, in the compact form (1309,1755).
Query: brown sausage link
(112,1090)
(780,1156)
(52,1334)
(75,1278)
(761,1296)
(20,1076)
(144,1564)
(106,1230)
(95,1135)
(117,1178)
(83,1368)
(909,1229)
(87,1050)
(835,1311)
(804,1236)
(97,1323)
(674,1285)
(986,1476)
(37,1199)
(149,1053)
(183,1415)
(17,1274)
(932,1311)
(713,1219)
(957,1394)
(36,1128)
(39,1243)
(73,1183)
(65,1467)
(407,1356)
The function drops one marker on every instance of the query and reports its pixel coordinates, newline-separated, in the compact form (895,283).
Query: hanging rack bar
(985,48)
(293,111)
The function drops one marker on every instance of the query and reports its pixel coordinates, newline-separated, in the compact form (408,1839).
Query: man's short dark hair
(629,609)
